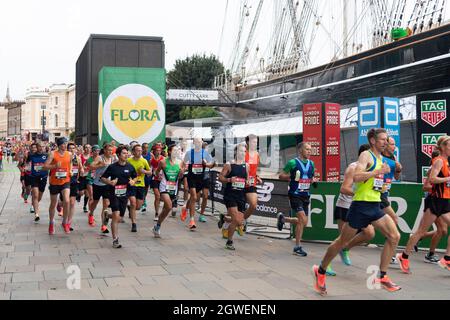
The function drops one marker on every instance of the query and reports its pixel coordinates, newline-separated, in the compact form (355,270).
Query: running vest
(442,190)
(239,171)
(75,170)
(253,164)
(100,171)
(37,162)
(196,170)
(301,178)
(155,163)
(389,177)
(60,176)
(169,181)
(344,201)
(370,190)
(91,172)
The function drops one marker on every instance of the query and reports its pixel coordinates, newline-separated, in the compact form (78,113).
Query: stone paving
(181,265)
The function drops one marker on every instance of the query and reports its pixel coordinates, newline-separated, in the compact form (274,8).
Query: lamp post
(43,107)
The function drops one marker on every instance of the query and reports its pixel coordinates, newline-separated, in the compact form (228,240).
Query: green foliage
(72,136)
(198,113)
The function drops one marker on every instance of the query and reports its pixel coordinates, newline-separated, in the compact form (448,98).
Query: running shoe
(155,219)
(319,281)
(404,263)
(36,218)
(133,227)
(104,230)
(394,260)
(280,221)
(192,225)
(85,210)
(432,258)
(31,210)
(116,244)
(51,228)
(330,271)
(157,231)
(70,227)
(225,233)
(202,218)
(444,264)
(183,215)
(345,257)
(229,246)
(66,228)
(221,221)
(299,252)
(387,284)
(240,230)
(91,220)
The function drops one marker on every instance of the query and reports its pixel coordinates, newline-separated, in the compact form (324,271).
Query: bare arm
(47,165)
(225,171)
(427,185)
(434,172)
(398,171)
(161,166)
(347,184)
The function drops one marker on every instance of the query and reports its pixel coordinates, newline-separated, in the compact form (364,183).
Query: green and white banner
(132,105)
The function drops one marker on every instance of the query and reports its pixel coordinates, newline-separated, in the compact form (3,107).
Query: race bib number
(304,184)
(171,186)
(251,181)
(388,184)
(74,170)
(378,183)
(120,191)
(38,167)
(238,184)
(61,174)
(197,168)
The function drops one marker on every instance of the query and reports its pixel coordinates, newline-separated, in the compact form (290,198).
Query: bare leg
(133,209)
(333,250)
(365,236)
(252,200)
(52,208)
(442,231)
(388,228)
(426,222)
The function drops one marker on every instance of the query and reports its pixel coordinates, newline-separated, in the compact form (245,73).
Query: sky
(40,41)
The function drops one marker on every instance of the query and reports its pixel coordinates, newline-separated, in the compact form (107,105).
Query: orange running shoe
(192,225)
(91,221)
(444,264)
(183,215)
(387,284)
(319,281)
(66,228)
(51,229)
(104,229)
(404,263)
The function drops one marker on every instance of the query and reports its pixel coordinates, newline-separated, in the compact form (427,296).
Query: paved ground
(181,265)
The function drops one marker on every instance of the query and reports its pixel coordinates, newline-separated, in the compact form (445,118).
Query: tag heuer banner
(432,123)
(132,105)
(407,201)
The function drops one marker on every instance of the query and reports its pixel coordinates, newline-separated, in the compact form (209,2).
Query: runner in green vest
(169,171)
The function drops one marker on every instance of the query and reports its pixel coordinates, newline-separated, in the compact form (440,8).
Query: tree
(197,71)
(72,136)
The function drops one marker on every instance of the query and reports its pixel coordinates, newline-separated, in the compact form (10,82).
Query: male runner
(38,177)
(147,155)
(156,159)
(77,170)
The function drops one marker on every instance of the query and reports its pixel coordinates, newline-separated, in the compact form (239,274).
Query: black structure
(417,64)
(108,51)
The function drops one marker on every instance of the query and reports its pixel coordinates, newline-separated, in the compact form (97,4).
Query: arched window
(56,121)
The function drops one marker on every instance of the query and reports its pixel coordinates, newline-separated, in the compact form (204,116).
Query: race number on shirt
(120,190)
(61,174)
(378,183)
(304,184)
(197,168)
(238,184)
(171,185)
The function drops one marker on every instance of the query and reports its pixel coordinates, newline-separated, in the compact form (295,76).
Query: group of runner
(123,175)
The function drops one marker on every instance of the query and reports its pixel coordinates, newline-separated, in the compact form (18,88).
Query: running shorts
(362,213)
(299,204)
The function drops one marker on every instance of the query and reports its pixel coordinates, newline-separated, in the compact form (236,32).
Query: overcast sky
(40,41)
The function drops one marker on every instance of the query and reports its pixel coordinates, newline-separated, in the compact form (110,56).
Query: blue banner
(392,121)
(369,116)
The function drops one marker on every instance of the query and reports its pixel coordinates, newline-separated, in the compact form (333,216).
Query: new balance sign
(434,112)
(429,142)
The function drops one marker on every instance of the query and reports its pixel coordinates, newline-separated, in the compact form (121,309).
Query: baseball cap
(95,147)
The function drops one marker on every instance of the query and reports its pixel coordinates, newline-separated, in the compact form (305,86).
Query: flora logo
(434,112)
(134,112)
(429,141)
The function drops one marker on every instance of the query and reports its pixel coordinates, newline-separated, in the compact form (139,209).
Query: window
(56,100)
(56,121)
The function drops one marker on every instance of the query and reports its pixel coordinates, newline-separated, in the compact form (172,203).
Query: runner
(343,204)
(196,160)
(136,193)
(183,150)
(441,230)
(436,205)
(365,210)
(95,157)
(1,158)
(118,177)
(170,172)
(100,189)
(156,159)
(83,182)
(76,172)
(300,174)
(59,164)
(147,155)
(38,177)
(25,167)
(205,190)
(235,175)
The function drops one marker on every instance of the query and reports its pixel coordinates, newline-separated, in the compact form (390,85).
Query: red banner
(332,141)
(312,133)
